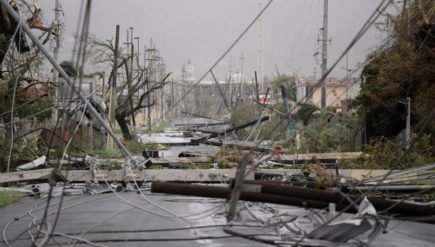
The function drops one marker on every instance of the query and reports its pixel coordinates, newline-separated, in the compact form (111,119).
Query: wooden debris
(184,175)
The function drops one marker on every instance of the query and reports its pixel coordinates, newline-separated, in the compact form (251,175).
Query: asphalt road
(132,220)
(111,221)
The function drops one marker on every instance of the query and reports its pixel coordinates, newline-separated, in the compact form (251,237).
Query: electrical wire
(241,35)
(84,39)
(172,215)
(379,182)
(136,184)
(167,229)
(53,204)
(12,125)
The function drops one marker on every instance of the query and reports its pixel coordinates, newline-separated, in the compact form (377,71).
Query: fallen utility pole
(199,115)
(181,175)
(245,125)
(340,198)
(295,196)
(233,145)
(200,124)
(222,192)
(63,74)
(321,157)
(258,176)
(397,188)
(206,131)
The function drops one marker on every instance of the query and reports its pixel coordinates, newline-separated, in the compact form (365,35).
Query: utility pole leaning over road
(324,52)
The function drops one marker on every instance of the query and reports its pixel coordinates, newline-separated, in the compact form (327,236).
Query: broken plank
(207,131)
(180,160)
(25,175)
(197,175)
(234,145)
(316,156)
(199,124)
(159,160)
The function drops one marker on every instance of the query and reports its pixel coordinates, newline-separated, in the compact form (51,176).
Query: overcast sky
(201,30)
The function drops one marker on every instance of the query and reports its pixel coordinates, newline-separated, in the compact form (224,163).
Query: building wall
(336,94)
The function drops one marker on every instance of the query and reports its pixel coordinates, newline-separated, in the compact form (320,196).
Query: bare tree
(103,52)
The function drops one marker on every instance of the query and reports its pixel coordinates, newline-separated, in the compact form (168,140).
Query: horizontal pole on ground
(182,175)
(295,196)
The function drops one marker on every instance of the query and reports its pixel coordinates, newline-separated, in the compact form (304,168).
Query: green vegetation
(10,197)
(289,85)
(159,127)
(404,67)
(69,69)
(134,147)
(384,154)
(107,153)
(320,136)
(268,130)
(35,102)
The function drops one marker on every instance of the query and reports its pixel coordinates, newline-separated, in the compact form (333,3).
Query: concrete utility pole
(172,98)
(130,81)
(242,77)
(59,89)
(113,86)
(260,69)
(324,52)
(138,53)
(151,73)
(162,72)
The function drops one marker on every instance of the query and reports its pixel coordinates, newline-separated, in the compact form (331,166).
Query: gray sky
(201,30)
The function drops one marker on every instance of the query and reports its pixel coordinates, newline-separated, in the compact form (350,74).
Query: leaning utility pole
(324,52)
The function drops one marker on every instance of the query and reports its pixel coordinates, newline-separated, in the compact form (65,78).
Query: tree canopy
(403,67)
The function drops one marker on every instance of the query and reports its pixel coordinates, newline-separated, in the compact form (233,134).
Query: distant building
(337,92)
(187,71)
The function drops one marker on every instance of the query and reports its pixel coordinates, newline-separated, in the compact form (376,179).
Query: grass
(107,153)
(160,127)
(10,197)
(134,147)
